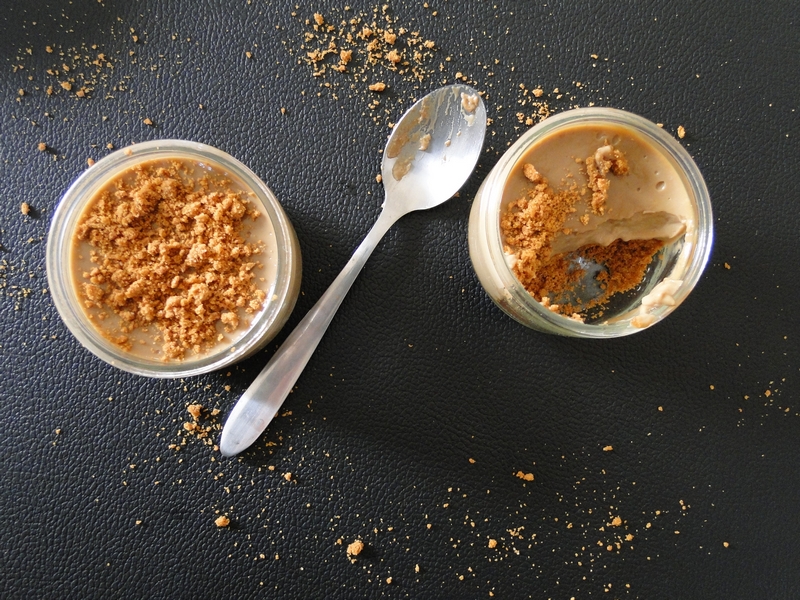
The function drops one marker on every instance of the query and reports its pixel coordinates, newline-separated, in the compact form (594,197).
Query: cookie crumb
(525,476)
(389,580)
(377,87)
(42,147)
(195,410)
(616,522)
(726,544)
(24,208)
(681,132)
(147,121)
(605,160)
(287,476)
(222,521)
(66,85)
(492,543)
(90,161)
(355,548)
(608,448)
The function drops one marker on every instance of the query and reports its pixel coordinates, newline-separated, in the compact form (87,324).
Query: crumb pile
(530,223)
(168,253)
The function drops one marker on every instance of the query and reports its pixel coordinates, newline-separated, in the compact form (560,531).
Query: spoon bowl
(438,141)
(430,154)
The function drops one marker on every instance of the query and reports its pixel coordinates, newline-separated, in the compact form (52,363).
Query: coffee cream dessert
(585,212)
(172,259)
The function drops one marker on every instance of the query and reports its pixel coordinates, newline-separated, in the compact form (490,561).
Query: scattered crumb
(195,410)
(681,132)
(222,521)
(726,544)
(492,543)
(147,121)
(90,161)
(377,87)
(355,548)
(616,522)
(389,580)
(24,208)
(287,476)
(42,147)
(608,448)
(379,178)
(525,476)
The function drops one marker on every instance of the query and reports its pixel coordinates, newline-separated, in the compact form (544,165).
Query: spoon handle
(261,401)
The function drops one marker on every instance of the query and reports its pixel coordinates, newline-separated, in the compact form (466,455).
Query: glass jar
(679,264)
(64,278)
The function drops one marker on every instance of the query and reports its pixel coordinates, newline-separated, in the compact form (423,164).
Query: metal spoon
(430,154)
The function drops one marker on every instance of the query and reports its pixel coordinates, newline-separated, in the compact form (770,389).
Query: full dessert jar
(654,212)
(171,258)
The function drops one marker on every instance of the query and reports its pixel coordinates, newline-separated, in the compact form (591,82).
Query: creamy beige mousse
(172,259)
(585,211)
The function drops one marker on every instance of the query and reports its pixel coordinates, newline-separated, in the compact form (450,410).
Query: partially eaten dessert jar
(172,258)
(595,223)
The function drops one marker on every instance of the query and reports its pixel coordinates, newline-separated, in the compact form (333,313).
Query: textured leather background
(419,372)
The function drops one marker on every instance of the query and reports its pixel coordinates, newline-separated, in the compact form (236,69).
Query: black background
(419,372)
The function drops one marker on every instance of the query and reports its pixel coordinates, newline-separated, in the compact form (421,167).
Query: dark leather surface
(419,372)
